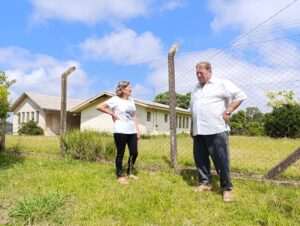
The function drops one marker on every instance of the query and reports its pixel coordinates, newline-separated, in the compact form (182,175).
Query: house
(44,110)
(153,117)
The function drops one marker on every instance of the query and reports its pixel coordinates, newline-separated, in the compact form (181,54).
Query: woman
(126,132)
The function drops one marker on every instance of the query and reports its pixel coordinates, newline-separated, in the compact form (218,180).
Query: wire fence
(262,62)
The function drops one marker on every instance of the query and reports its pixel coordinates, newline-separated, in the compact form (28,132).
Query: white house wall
(92,119)
(28,106)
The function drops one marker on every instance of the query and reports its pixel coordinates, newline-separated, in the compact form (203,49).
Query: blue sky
(117,40)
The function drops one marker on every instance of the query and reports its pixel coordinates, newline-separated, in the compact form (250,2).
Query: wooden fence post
(283,165)
(172,93)
(63,107)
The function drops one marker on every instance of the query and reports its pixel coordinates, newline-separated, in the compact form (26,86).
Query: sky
(113,40)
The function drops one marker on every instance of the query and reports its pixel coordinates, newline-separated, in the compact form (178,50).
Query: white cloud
(124,47)
(88,11)
(172,4)
(142,92)
(245,14)
(40,73)
(256,80)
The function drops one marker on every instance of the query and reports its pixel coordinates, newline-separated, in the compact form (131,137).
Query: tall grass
(35,209)
(248,154)
(88,145)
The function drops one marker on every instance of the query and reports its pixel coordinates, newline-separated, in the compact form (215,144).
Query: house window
(187,123)
(166,118)
(37,117)
(19,118)
(148,116)
(27,116)
(177,122)
(23,117)
(180,122)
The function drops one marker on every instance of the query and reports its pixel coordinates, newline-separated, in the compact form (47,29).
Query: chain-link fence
(264,63)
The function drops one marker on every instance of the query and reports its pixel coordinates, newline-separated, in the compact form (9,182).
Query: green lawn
(44,191)
(248,154)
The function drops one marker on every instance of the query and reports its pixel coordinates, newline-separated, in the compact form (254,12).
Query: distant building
(153,117)
(45,111)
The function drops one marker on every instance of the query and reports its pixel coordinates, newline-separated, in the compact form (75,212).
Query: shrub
(255,129)
(249,122)
(88,145)
(37,208)
(30,128)
(283,121)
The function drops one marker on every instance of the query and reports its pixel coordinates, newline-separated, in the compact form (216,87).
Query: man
(213,101)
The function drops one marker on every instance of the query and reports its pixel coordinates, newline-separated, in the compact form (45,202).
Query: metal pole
(172,93)
(63,107)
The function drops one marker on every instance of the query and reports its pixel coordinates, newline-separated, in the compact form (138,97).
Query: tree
(183,100)
(254,114)
(4,105)
(280,98)
(248,122)
(284,120)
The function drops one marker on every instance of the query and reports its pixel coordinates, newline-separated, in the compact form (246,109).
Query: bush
(255,129)
(283,121)
(35,209)
(30,128)
(88,145)
(248,123)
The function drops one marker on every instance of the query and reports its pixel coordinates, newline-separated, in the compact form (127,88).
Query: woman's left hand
(138,135)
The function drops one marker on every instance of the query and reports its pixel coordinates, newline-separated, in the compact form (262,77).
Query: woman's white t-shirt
(125,110)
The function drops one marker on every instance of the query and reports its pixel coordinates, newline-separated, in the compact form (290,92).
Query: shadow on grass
(190,176)
(9,158)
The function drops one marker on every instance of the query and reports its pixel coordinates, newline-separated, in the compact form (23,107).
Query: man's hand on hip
(226,116)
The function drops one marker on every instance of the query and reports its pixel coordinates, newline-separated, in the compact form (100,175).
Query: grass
(254,155)
(37,208)
(43,189)
(68,192)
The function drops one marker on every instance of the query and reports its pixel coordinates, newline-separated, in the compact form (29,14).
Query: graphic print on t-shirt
(126,114)
(125,110)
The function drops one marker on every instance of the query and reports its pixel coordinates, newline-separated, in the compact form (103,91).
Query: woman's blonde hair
(121,85)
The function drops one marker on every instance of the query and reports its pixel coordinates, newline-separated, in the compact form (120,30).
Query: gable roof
(45,102)
(143,103)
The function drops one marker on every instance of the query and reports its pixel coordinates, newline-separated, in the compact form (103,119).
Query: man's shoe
(227,196)
(203,188)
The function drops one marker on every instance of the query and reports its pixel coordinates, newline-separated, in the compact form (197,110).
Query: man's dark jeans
(216,147)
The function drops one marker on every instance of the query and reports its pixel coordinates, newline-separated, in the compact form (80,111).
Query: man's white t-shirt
(125,110)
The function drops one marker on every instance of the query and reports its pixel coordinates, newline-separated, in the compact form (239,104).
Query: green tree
(182,100)
(248,122)
(283,121)
(238,123)
(280,98)
(4,105)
